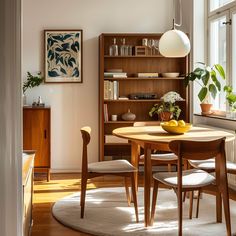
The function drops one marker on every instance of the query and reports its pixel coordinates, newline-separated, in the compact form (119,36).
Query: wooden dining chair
(168,159)
(209,166)
(195,179)
(117,167)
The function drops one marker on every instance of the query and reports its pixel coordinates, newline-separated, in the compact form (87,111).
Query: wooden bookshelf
(133,84)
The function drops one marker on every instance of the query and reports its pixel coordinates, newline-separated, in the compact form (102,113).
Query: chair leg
(154,200)
(198,202)
(83,195)
(134,193)
(218,207)
(191,204)
(225,196)
(127,191)
(180,211)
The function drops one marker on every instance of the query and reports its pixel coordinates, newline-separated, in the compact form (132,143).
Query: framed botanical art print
(63,56)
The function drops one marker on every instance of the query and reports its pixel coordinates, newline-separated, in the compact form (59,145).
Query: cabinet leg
(48,175)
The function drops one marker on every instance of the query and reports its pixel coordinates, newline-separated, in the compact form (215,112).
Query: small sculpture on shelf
(129,116)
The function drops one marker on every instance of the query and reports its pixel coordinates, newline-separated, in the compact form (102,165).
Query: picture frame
(63,60)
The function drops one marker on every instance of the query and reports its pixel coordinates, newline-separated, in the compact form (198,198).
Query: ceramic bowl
(176,129)
(170,74)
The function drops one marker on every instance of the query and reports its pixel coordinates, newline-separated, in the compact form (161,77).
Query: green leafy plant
(207,78)
(165,107)
(230,97)
(32,81)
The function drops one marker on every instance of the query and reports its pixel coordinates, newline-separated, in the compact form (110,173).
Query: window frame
(220,9)
(226,10)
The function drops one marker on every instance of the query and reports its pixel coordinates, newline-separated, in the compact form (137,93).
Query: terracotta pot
(206,108)
(165,116)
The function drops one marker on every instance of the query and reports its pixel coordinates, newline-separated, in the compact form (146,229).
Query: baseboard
(65,171)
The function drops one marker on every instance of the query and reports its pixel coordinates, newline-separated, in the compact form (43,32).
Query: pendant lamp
(174,43)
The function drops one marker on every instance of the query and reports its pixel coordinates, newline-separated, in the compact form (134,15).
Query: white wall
(75,105)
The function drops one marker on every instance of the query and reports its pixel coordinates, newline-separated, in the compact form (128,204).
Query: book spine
(105,113)
(106,89)
(111,90)
(116,90)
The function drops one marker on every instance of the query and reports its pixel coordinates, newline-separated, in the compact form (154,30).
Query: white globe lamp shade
(174,43)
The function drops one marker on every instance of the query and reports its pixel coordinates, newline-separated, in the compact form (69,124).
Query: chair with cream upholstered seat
(158,158)
(209,166)
(117,167)
(195,179)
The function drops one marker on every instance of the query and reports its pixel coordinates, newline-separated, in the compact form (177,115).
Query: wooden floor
(61,185)
(46,193)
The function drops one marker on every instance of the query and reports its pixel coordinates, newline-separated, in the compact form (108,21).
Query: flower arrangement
(230,97)
(168,106)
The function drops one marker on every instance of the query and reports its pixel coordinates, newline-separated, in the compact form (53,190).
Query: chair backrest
(146,123)
(197,150)
(201,150)
(85,131)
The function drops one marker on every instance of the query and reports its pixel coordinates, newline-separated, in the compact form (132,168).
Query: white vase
(24,100)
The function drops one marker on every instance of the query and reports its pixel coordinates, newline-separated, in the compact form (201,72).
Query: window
(215,4)
(222,43)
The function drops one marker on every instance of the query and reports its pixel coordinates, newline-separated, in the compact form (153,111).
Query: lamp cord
(180,14)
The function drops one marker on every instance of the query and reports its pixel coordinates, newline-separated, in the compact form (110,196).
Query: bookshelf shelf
(130,66)
(117,57)
(141,79)
(138,100)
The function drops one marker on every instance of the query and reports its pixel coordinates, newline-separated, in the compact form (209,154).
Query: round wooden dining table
(155,138)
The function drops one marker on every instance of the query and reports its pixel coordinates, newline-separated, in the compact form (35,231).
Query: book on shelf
(115,74)
(147,75)
(111,90)
(123,98)
(105,113)
(114,139)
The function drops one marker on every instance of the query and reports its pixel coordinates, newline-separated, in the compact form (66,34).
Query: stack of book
(111,90)
(147,75)
(115,74)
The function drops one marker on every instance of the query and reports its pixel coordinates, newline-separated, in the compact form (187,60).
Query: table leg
(147,184)
(135,152)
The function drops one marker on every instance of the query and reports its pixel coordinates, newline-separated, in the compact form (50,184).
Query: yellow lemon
(181,123)
(173,123)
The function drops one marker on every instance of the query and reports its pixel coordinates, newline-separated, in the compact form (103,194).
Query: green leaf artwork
(63,62)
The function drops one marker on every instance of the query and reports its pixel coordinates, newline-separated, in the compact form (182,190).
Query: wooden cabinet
(36,136)
(133,64)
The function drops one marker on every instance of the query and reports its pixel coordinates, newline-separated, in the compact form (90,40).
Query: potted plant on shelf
(207,78)
(31,82)
(231,98)
(167,109)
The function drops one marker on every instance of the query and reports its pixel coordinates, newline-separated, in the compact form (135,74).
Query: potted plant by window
(167,109)
(31,82)
(207,78)
(231,98)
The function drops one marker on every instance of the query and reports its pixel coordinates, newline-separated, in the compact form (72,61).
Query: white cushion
(162,157)
(191,178)
(209,165)
(117,166)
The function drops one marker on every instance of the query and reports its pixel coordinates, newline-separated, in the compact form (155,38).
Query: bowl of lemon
(176,127)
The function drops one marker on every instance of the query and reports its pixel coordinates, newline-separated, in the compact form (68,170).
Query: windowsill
(216,116)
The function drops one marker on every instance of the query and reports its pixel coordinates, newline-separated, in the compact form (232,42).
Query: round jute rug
(107,214)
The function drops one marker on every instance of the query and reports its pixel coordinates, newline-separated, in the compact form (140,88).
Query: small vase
(24,101)
(165,116)
(206,108)
(128,116)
